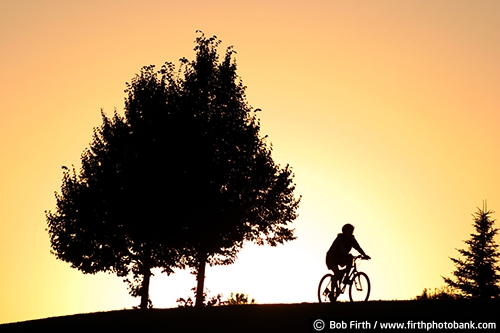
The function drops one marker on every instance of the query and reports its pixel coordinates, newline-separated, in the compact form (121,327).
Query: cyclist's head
(348,229)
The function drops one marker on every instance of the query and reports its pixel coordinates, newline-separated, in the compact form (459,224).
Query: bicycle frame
(330,287)
(350,276)
(341,286)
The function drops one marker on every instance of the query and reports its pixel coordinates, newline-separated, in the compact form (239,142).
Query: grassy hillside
(260,318)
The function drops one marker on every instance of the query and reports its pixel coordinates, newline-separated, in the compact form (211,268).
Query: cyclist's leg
(348,266)
(336,272)
(337,279)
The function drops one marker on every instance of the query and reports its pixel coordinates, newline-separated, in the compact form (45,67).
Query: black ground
(263,318)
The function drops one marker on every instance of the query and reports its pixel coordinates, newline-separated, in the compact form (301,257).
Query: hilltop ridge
(264,317)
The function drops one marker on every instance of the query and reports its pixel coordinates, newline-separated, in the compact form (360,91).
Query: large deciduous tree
(110,215)
(477,274)
(114,214)
(237,192)
(183,178)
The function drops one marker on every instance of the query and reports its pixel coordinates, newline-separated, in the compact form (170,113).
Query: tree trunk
(200,278)
(145,288)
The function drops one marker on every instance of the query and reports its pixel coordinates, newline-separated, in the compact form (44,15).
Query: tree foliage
(182,179)
(240,193)
(109,215)
(477,275)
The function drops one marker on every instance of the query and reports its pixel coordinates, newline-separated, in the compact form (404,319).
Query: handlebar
(362,257)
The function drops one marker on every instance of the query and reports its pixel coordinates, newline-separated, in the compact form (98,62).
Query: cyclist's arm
(358,248)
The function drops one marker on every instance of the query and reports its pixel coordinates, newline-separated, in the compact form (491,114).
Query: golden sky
(388,112)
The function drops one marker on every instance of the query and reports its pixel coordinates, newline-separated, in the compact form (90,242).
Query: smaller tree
(477,276)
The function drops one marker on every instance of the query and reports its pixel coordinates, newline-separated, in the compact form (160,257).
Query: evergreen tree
(477,275)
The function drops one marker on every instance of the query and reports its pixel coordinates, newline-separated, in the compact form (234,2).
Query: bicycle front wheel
(359,290)
(325,288)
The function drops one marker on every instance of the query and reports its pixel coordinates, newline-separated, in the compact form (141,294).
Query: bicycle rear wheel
(359,289)
(326,292)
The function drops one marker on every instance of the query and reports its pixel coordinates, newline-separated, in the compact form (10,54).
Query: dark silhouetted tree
(477,275)
(237,193)
(114,215)
(110,216)
(182,179)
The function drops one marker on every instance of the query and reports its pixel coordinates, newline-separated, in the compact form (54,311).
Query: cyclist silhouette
(338,254)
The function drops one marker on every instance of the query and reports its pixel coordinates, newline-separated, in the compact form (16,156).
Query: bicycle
(358,282)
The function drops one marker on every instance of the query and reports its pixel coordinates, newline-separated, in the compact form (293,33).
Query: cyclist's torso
(341,247)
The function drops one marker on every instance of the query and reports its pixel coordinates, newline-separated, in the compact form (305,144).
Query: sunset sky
(388,112)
